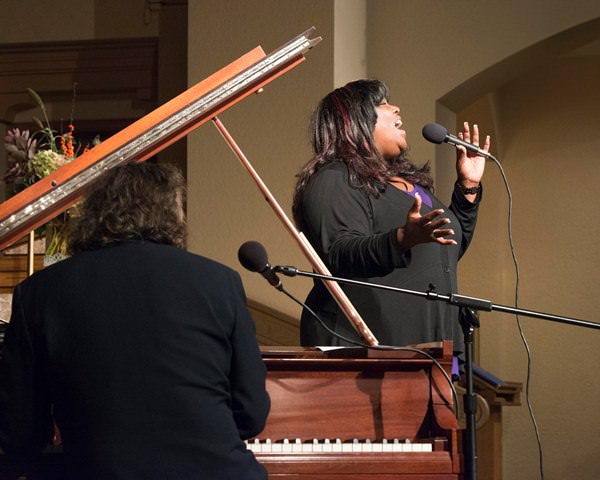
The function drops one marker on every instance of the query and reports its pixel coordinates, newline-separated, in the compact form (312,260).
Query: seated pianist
(144,354)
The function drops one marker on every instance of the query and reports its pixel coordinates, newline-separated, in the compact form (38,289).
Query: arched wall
(536,92)
(549,133)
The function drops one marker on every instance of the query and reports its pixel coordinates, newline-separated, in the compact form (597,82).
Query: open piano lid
(149,135)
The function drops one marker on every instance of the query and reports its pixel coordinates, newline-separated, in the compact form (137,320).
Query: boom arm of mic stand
(452,299)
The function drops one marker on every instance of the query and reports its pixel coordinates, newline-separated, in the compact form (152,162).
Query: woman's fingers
(466,134)
(441,232)
(487,143)
(475,136)
(433,227)
(445,241)
(415,210)
(436,221)
(430,216)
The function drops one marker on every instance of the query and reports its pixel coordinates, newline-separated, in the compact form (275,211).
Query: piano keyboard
(336,446)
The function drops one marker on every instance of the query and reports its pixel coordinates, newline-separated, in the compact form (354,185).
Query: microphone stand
(468,321)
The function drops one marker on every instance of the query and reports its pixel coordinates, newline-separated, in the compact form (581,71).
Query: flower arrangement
(32,156)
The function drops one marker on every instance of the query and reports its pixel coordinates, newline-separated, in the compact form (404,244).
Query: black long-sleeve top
(355,234)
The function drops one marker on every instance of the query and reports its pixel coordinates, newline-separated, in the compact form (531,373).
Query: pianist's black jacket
(147,356)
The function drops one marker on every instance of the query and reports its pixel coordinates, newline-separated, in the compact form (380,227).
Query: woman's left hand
(469,165)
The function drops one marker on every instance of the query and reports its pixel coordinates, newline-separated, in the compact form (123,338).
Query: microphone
(253,256)
(436,133)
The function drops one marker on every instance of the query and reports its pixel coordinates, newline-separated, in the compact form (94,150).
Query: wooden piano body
(357,394)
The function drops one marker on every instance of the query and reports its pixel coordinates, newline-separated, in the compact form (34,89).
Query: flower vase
(56,241)
(55,257)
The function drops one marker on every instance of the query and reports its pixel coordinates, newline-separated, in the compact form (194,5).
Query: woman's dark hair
(136,201)
(342,130)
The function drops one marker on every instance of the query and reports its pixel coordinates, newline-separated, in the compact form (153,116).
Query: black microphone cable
(380,347)
(519,325)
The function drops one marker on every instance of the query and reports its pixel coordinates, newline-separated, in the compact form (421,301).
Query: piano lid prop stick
(338,294)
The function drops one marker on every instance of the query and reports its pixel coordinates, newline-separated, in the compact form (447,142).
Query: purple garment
(424,195)
(455,368)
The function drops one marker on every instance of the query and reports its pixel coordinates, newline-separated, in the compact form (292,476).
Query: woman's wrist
(401,240)
(468,187)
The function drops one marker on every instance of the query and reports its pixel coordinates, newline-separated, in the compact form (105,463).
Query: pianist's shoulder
(134,256)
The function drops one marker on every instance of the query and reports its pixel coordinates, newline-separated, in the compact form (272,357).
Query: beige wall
(224,207)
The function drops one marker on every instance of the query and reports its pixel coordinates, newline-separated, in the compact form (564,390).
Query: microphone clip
(286,270)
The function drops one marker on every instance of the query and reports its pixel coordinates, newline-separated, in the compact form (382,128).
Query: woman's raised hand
(469,165)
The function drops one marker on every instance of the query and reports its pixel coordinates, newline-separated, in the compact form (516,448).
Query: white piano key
(386,446)
(277,447)
(297,446)
(317,446)
(422,447)
(327,446)
(367,446)
(286,447)
(337,445)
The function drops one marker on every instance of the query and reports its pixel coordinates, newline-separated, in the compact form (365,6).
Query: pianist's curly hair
(132,202)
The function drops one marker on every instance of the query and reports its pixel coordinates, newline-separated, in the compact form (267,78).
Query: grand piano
(359,413)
